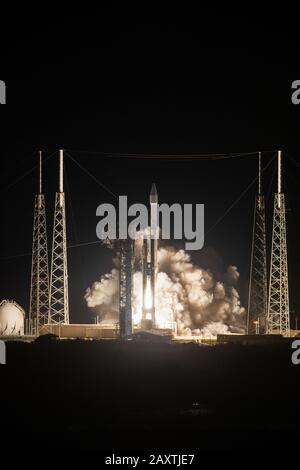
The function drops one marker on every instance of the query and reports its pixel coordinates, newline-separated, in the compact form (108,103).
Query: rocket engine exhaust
(168,289)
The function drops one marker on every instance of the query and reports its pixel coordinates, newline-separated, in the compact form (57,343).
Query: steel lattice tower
(59,298)
(125,292)
(257,302)
(125,253)
(278,305)
(39,291)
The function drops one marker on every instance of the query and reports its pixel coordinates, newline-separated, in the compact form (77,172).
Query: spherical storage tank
(11,318)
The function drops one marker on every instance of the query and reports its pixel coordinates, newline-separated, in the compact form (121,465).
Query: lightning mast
(39,291)
(59,298)
(257,301)
(278,304)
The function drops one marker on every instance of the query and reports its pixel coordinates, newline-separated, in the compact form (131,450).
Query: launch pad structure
(59,292)
(124,249)
(49,301)
(269,315)
(268,308)
(127,253)
(39,292)
(257,302)
(278,319)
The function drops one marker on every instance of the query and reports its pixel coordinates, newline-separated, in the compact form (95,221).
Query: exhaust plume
(185,294)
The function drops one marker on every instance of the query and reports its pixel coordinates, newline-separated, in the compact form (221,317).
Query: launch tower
(39,291)
(278,305)
(59,298)
(257,303)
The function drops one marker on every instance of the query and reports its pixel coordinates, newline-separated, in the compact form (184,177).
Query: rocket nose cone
(153,194)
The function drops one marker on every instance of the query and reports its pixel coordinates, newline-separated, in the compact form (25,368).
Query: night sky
(101,87)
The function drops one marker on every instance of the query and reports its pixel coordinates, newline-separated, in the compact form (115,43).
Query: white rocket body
(150,246)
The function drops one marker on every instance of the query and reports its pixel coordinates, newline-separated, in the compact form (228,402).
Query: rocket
(154,234)
(149,263)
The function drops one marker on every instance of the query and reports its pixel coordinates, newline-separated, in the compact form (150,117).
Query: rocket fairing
(149,256)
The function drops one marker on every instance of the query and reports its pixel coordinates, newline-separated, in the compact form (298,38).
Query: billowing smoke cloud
(103,297)
(185,294)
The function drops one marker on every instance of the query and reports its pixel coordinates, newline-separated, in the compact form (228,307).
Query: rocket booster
(150,247)
(154,233)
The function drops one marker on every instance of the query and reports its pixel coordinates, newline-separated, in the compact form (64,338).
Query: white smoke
(103,296)
(185,294)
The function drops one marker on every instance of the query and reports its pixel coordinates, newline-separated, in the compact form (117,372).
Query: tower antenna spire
(279,189)
(279,172)
(259,174)
(61,171)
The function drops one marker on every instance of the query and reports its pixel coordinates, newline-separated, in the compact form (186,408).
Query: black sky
(98,82)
